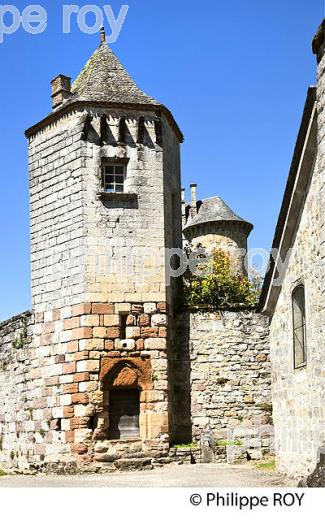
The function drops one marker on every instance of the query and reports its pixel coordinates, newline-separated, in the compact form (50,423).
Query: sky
(234,73)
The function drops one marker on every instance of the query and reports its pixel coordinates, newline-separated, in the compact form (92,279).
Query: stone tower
(213,225)
(105,204)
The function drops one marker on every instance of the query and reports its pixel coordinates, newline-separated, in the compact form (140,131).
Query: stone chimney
(193,200)
(61,90)
(102,35)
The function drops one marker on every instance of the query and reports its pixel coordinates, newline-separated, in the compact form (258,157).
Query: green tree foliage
(219,287)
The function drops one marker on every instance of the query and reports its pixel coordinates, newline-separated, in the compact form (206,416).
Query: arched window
(299,327)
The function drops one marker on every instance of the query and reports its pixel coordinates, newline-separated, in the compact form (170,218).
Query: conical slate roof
(214,209)
(104,79)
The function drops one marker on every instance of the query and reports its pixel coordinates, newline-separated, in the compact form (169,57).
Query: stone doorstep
(128,449)
(141,460)
(105,445)
(105,457)
(111,457)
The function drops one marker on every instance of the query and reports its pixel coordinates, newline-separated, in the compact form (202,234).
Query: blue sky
(234,73)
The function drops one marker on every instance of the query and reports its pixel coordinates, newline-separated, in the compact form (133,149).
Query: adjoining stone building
(294,298)
(105,372)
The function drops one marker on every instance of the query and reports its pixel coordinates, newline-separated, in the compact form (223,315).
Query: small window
(299,327)
(123,319)
(113,178)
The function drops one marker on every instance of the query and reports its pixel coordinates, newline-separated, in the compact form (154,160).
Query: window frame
(303,326)
(114,165)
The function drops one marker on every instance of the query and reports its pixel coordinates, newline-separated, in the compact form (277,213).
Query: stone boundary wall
(15,374)
(222,375)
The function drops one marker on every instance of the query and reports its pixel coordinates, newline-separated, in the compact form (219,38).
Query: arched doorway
(124,385)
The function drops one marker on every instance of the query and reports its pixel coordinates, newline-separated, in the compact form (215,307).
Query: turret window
(299,327)
(114,178)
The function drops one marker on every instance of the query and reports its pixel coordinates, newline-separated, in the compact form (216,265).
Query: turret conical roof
(214,209)
(104,81)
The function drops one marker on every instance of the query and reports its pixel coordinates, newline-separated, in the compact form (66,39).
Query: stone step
(133,464)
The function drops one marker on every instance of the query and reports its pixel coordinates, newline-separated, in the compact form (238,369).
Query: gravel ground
(197,475)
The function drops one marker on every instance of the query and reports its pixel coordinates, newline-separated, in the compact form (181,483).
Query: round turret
(212,224)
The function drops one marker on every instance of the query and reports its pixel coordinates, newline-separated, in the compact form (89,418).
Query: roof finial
(102,35)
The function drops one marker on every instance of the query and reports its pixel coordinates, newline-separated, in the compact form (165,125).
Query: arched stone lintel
(126,373)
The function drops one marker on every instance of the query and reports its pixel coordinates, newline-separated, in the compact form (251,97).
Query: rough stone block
(122,307)
(71,323)
(92,365)
(132,332)
(112,332)
(77,378)
(144,320)
(124,344)
(70,388)
(112,320)
(158,320)
(102,308)
(149,308)
(155,344)
(81,309)
(82,333)
(91,320)
(91,344)
(69,368)
(80,398)
(149,332)
(81,410)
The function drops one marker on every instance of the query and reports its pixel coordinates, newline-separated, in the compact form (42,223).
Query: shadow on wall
(317,478)
(182,424)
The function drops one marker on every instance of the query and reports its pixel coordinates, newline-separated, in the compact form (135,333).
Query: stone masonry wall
(55,390)
(229,237)
(98,260)
(16,373)
(80,240)
(56,165)
(298,395)
(126,235)
(223,381)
